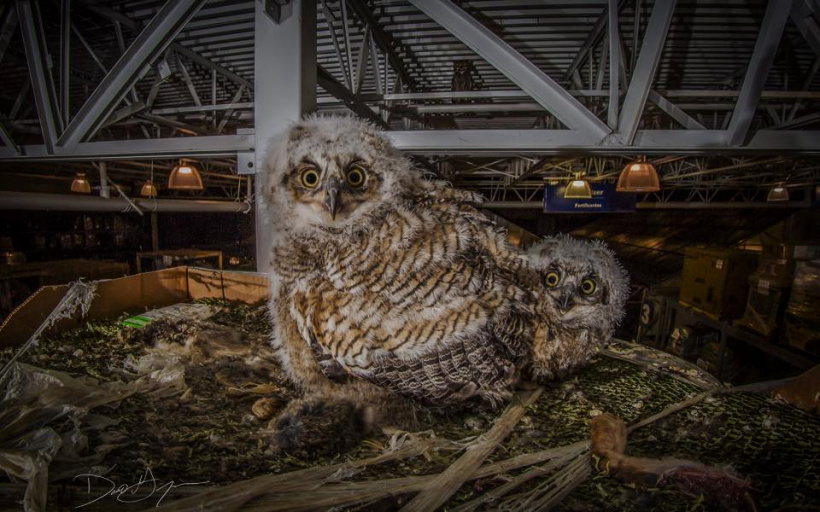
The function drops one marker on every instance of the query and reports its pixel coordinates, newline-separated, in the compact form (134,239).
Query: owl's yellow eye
(552,279)
(588,286)
(309,178)
(355,176)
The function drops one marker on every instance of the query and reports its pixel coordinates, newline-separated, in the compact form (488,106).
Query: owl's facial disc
(330,191)
(572,288)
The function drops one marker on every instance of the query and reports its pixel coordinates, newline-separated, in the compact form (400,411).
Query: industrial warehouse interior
(410,255)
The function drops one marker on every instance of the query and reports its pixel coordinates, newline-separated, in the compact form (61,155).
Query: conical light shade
(578,189)
(185,177)
(148,190)
(778,194)
(81,184)
(638,177)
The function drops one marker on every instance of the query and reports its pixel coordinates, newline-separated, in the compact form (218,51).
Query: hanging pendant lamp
(778,194)
(638,176)
(578,189)
(185,176)
(148,189)
(81,184)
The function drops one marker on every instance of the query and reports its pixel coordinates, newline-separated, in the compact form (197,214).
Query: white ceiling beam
(65,59)
(348,50)
(331,28)
(802,14)
(511,94)
(512,64)
(45,96)
(7,28)
(768,39)
(6,138)
(152,41)
(797,123)
(228,113)
(335,88)
(213,146)
(362,61)
(386,43)
(645,68)
(592,39)
(497,142)
(502,142)
(186,77)
(136,27)
(614,64)
(674,112)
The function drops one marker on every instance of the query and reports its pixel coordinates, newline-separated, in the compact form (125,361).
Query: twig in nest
(514,483)
(235,496)
(448,482)
(552,490)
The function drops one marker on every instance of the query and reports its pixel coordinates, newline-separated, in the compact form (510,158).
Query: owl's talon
(265,408)
(315,426)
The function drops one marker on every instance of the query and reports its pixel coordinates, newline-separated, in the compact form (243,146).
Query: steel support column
(644,72)
(152,41)
(285,89)
(516,67)
(774,21)
(42,83)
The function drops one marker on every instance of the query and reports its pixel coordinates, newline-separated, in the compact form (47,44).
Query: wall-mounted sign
(604,199)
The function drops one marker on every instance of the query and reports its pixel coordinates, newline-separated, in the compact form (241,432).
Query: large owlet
(398,282)
(585,290)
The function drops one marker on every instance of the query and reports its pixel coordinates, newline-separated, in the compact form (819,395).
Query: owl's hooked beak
(332,197)
(565,303)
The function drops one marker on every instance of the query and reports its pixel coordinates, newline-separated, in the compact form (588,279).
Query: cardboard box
(805,297)
(716,281)
(802,334)
(134,294)
(769,290)
(64,271)
(793,251)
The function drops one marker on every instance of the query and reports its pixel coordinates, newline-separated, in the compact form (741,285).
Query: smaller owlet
(585,290)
